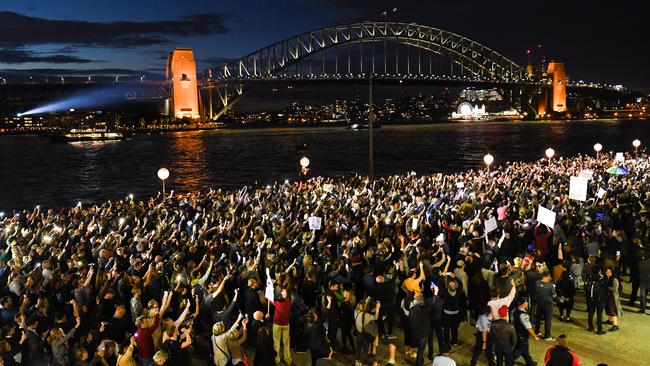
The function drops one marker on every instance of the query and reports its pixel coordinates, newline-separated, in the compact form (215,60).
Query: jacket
(560,356)
(419,322)
(503,334)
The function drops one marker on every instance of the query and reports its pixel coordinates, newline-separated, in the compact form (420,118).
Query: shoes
(614,328)
(641,311)
(601,332)
(430,357)
(391,336)
(609,322)
(590,329)
(549,339)
(562,318)
(568,319)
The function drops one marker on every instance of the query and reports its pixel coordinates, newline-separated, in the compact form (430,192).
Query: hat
(503,311)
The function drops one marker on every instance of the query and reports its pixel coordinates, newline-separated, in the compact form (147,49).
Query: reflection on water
(34,170)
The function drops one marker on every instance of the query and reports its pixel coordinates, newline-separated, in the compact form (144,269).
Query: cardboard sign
(269,292)
(315,223)
(586,173)
(460,185)
(328,188)
(601,193)
(578,188)
(546,216)
(620,157)
(490,225)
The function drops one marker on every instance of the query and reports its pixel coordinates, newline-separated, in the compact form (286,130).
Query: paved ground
(630,346)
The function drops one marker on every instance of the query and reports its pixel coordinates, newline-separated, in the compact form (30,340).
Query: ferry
(88,134)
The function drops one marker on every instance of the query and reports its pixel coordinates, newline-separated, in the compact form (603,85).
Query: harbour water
(34,170)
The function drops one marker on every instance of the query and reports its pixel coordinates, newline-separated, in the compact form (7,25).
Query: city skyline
(138,35)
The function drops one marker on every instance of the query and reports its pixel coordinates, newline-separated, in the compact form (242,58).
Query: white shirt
(443,361)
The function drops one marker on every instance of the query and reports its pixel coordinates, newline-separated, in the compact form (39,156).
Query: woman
(220,350)
(365,317)
(235,344)
(59,343)
(566,290)
(347,320)
(316,336)
(613,305)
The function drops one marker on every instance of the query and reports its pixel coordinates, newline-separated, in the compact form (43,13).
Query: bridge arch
(473,57)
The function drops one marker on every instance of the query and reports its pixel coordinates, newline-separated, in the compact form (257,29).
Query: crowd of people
(249,278)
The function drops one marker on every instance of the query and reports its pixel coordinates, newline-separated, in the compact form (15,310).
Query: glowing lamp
(488,159)
(549,153)
(304,162)
(163,173)
(598,147)
(636,143)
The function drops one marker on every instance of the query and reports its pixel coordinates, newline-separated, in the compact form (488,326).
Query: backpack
(368,330)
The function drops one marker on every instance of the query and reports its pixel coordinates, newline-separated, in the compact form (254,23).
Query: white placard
(328,188)
(490,225)
(269,292)
(601,193)
(578,188)
(546,216)
(414,224)
(586,173)
(460,185)
(620,157)
(314,223)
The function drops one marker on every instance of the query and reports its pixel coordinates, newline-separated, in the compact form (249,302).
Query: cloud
(18,30)
(24,56)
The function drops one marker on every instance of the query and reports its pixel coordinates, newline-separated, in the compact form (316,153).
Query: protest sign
(490,225)
(578,188)
(546,216)
(314,223)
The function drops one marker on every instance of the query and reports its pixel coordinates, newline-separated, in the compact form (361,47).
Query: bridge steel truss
(479,61)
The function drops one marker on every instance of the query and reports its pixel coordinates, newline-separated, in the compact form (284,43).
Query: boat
(364,126)
(88,134)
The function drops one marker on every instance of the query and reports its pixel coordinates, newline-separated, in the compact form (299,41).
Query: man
(544,296)
(144,340)
(596,293)
(333,311)
(497,301)
(561,355)
(444,359)
(644,279)
(420,326)
(505,338)
(411,285)
(384,293)
(281,328)
(483,339)
(524,330)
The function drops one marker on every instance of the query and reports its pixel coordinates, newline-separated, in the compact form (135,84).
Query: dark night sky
(603,43)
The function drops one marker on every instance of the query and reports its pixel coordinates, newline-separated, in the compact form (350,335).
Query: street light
(163,174)
(304,165)
(636,143)
(488,159)
(549,153)
(598,147)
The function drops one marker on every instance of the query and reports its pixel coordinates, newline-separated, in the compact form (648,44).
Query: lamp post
(304,166)
(163,174)
(636,143)
(488,159)
(549,153)
(598,147)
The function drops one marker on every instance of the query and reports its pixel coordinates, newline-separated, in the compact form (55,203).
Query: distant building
(557,73)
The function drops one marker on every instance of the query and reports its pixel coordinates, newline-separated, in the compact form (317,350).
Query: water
(35,171)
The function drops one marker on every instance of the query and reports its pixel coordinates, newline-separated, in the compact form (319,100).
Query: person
(612,304)
(497,301)
(316,336)
(505,338)
(281,329)
(420,325)
(544,296)
(333,311)
(644,280)
(596,294)
(560,354)
(384,292)
(444,359)
(524,330)
(347,320)
(412,285)
(58,341)
(220,352)
(565,294)
(365,317)
(452,307)
(483,339)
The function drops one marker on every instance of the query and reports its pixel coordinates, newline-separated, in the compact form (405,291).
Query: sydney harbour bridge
(386,52)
